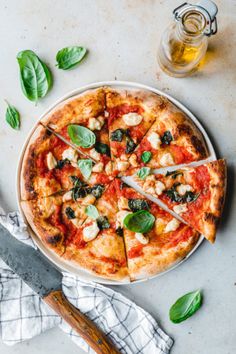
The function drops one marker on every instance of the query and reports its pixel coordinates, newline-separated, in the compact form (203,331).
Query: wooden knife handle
(95,338)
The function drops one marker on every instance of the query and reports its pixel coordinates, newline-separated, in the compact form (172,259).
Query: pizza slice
(130,115)
(173,139)
(82,122)
(195,193)
(154,239)
(104,252)
(50,165)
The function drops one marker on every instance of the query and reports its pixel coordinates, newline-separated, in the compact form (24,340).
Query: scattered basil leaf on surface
(68,57)
(85,166)
(185,306)
(97,190)
(138,204)
(166,138)
(102,148)
(92,212)
(12,117)
(81,136)
(103,222)
(146,156)
(143,172)
(140,221)
(70,213)
(35,76)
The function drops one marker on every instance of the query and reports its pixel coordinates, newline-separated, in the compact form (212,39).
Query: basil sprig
(185,306)
(12,117)
(69,57)
(35,76)
(146,156)
(92,212)
(140,221)
(85,166)
(143,172)
(81,136)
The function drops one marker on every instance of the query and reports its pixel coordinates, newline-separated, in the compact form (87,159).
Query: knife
(36,271)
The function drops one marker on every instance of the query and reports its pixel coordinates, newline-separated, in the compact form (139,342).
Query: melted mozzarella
(95,124)
(90,232)
(154,140)
(159,187)
(121,215)
(51,161)
(132,119)
(70,154)
(166,160)
(141,238)
(183,188)
(172,225)
(98,167)
(179,209)
(94,154)
(67,196)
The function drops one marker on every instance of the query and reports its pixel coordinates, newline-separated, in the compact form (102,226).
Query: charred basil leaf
(70,213)
(68,57)
(117,135)
(97,190)
(77,182)
(140,221)
(190,196)
(143,172)
(103,222)
(79,192)
(102,149)
(92,212)
(146,156)
(81,136)
(62,163)
(119,231)
(174,174)
(185,306)
(130,146)
(138,204)
(176,197)
(166,138)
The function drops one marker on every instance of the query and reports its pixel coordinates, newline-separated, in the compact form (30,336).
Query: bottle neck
(191,27)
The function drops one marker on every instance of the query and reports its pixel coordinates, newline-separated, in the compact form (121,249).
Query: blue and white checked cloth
(24,315)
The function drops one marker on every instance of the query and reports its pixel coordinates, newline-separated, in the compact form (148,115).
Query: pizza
(73,193)
(167,242)
(50,166)
(173,139)
(194,193)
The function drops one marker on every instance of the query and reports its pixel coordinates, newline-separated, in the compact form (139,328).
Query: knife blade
(43,277)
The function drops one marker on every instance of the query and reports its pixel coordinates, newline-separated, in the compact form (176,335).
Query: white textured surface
(123,38)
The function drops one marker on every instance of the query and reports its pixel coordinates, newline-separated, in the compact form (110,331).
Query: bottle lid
(206,8)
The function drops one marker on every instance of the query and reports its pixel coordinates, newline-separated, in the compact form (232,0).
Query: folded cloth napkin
(24,315)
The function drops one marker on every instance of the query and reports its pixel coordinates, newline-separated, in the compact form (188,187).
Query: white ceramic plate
(69,266)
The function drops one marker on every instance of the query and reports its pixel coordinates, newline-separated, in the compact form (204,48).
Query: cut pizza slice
(130,115)
(50,165)
(104,252)
(82,122)
(195,193)
(154,239)
(173,139)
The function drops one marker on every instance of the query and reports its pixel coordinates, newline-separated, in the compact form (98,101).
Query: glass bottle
(184,43)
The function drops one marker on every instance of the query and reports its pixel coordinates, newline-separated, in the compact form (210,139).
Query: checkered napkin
(24,315)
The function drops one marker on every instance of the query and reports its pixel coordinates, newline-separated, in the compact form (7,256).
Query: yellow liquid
(183,54)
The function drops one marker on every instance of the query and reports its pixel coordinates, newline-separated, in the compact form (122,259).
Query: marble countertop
(122,37)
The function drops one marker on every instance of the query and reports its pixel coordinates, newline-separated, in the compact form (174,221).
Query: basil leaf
(146,156)
(81,136)
(70,213)
(85,166)
(130,146)
(92,212)
(62,163)
(143,172)
(174,174)
(185,306)
(166,138)
(35,77)
(117,135)
(103,222)
(190,197)
(68,57)
(12,117)
(138,204)
(140,221)
(97,190)
(102,148)
(176,197)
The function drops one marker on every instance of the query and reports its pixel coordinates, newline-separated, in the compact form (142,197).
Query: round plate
(69,266)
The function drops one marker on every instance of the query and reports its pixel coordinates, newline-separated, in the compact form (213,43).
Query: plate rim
(54,258)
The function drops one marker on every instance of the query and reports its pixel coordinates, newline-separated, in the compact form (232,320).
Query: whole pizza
(73,191)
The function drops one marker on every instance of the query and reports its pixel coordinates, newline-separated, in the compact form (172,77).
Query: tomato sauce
(181,155)
(135,252)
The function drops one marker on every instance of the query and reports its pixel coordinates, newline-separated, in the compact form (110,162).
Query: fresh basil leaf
(143,172)
(35,76)
(97,190)
(70,213)
(130,146)
(103,222)
(117,135)
(68,57)
(146,156)
(120,231)
(92,212)
(138,204)
(185,306)
(102,148)
(140,221)
(81,136)
(166,138)
(85,166)
(12,117)
(174,174)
